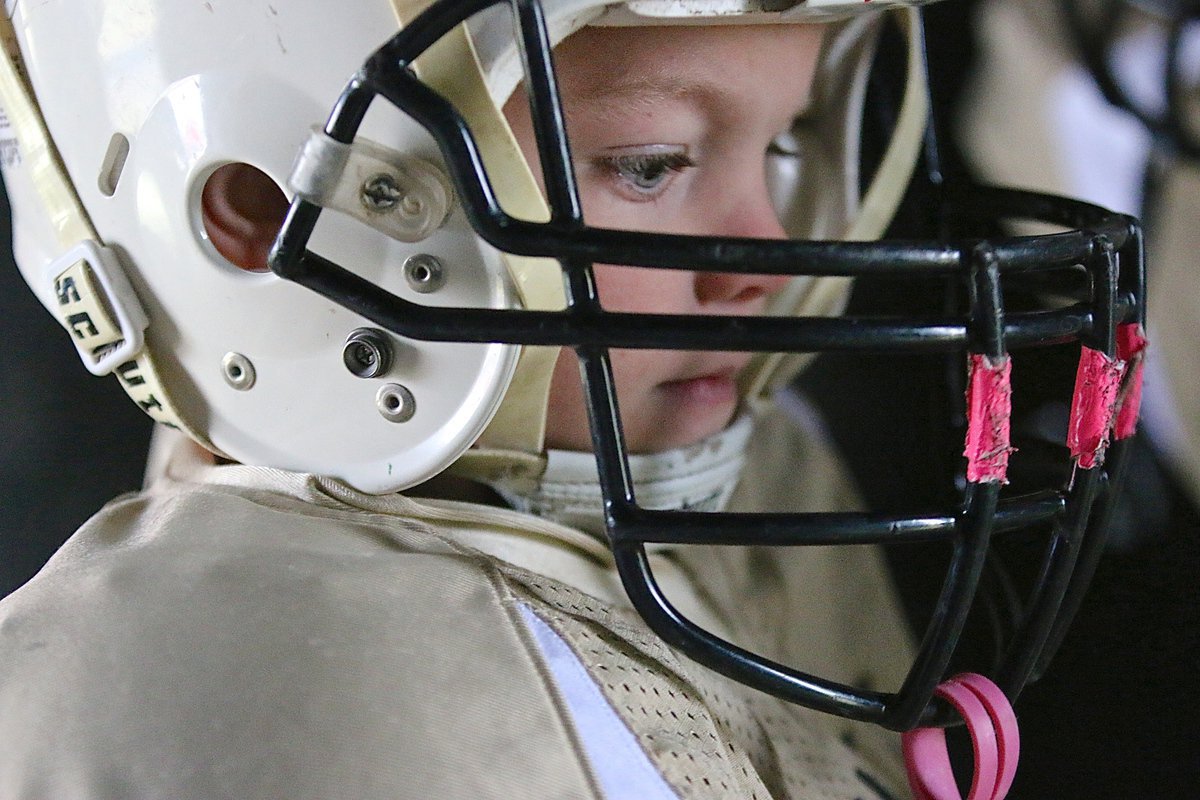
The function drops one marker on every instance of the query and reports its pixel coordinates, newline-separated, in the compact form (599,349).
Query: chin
(669,434)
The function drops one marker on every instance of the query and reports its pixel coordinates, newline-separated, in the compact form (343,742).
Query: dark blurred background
(69,441)
(1117,714)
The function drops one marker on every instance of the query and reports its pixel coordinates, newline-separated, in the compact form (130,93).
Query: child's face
(669,131)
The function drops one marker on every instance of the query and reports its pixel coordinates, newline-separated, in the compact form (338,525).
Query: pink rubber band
(989,413)
(1131,348)
(1004,720)
(927,761)
(1094,406)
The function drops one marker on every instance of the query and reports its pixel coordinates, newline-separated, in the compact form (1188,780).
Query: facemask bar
(592,332)
(385,74)
(1116,462)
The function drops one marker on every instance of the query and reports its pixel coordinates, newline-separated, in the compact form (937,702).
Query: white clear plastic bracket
(404,197)
(88,291)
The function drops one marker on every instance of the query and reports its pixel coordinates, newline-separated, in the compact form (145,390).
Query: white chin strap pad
(699,477)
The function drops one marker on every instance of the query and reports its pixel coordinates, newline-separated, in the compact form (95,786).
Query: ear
(243,209)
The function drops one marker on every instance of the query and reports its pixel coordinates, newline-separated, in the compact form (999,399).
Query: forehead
(606,63)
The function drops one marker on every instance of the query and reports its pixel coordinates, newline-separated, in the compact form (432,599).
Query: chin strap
(826,297)
(514,439)
(85,285)
(700,477)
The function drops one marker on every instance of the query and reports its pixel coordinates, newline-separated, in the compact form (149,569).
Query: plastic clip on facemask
(995,742)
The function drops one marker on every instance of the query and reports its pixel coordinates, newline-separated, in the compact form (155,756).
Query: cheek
(636,374)
(566,417)
(645,291)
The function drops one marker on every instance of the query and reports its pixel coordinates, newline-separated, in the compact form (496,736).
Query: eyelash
(628,170)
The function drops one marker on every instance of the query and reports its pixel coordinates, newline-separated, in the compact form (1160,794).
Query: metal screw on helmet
(238,371)
(396,403)
(411,205)
(367,353)
(424,273)
(384,193)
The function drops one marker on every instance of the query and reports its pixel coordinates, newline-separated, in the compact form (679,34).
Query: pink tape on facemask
(994,740)
(989,413)
(1094,406)
(1131,348)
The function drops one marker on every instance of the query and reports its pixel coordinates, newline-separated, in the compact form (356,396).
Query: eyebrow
(649,89)
(647,86)
(632,93)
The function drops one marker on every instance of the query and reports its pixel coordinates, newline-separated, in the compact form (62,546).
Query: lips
(714,388)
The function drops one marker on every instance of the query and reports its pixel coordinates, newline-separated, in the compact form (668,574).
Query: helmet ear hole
(243,209)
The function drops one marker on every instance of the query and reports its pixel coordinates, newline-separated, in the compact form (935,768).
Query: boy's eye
(645,174)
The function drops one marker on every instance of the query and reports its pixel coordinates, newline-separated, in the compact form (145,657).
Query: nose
(753,218)
(737,289)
